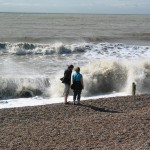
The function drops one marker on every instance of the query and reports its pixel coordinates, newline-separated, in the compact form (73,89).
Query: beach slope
(118,123)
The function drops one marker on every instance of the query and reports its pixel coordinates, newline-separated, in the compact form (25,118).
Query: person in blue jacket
(78,85)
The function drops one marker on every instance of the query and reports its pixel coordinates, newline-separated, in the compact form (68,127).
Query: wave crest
(23,87)
(90,50)
(44,49)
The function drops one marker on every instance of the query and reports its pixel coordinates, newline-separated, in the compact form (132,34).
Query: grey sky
(77,6)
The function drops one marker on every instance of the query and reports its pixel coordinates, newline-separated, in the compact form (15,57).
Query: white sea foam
(36,101)
(92,50)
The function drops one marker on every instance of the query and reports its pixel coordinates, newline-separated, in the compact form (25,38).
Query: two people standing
(77,80)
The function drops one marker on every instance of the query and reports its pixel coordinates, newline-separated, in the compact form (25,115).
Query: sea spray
(137,71)
(146,77)
(103,76)
(106,67)
(100,77)
(57,87)
(108,76)
(135,74)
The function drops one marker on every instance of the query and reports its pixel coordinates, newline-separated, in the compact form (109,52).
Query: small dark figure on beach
(67,81)
(133,88)
(77,80)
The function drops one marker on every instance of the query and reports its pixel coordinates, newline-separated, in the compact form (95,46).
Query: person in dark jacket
(67,81)
(78,85)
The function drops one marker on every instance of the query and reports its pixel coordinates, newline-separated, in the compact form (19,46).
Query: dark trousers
(77,95)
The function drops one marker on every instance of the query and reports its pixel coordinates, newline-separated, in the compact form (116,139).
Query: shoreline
(106,123)
(38,101)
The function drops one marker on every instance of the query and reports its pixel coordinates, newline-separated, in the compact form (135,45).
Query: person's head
(77,69)
(70,67)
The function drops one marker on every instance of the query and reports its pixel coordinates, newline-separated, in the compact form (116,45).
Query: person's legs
(65,99)
(74,96)
(78,96)
(66,92)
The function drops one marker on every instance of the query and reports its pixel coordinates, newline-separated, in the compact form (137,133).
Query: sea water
(112,51)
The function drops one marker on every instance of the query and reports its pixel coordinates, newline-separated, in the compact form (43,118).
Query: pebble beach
(117,123)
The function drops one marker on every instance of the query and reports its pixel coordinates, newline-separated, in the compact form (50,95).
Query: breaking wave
(100,77)
(44,49)
(109,76)
(110,49)
(104,73)
(11,87)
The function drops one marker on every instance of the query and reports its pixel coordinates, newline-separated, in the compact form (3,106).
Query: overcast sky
(77,6)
